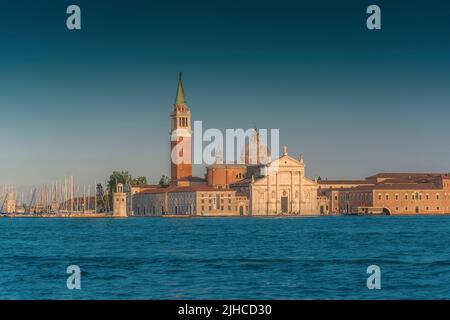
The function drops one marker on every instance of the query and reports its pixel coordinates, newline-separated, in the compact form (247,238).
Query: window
(387,197)
(396,198)
(406,196)
(379,197)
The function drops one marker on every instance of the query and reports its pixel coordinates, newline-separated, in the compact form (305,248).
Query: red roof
(173,188)
(146,186)
(343,182)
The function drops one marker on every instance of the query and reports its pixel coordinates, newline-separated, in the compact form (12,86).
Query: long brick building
(388,193)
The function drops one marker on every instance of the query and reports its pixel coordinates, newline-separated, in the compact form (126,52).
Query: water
(229,258)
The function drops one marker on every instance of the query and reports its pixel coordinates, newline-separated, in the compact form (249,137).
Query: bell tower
(180,137)
(119,202)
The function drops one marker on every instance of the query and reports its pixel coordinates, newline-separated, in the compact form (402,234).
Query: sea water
(226,258)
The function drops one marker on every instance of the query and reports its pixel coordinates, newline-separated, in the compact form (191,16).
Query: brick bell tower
(180,137)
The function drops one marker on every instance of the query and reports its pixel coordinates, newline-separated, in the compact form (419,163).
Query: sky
(354,101)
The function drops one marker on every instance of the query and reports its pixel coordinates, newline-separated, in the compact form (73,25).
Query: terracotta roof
(174,188)
(146,186)
(404,175)
(199,188)
(394,186)
(157,190)
(343,182)
(408,186)
(192,179)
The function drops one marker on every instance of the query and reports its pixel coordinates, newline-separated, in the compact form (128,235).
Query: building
(119,202)
(180,137)
(197,200)
(254,154)
(255,187)
(224,175)
(130,191)
(392,194)
(328,193)
(280,188)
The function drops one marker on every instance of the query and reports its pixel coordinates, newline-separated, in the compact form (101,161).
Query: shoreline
(173,216)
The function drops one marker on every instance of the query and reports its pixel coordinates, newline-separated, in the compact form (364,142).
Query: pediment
(286,161)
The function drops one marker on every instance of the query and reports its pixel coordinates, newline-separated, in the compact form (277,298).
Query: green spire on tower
(181,99)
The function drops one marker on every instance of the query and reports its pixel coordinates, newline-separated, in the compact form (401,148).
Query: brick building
(390,193)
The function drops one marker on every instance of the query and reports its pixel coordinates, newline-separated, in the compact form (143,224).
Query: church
(281,189)
(259,188)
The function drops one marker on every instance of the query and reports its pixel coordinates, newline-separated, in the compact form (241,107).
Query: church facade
(281,188)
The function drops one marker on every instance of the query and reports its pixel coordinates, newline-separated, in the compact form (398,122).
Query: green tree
(101,204)
(164,181)
(123,177)
(118,177)
(139,181)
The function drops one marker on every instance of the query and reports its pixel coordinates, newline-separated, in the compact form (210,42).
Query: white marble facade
(283,189)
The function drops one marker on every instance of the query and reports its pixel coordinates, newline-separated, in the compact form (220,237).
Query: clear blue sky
(354,101)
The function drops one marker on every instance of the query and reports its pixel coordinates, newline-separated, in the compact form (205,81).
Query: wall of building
(221,203)
(284,191)
(222,176)
(398,201)
(149,204)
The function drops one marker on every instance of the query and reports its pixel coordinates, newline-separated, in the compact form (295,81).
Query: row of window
(210,195)
(210,201)
(417,209)
(366,196)
(221,208)
(414,196)
(354,196)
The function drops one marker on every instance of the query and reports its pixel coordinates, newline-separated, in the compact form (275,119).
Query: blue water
(230,258)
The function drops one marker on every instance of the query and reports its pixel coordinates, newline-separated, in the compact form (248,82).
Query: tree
(164,181)
(123,177)
(118,177)
(139,181)
(101,207)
